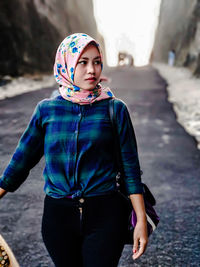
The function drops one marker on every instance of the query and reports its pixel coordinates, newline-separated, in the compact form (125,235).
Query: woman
(85,219)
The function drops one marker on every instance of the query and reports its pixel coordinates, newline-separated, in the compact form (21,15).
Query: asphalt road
(168,156)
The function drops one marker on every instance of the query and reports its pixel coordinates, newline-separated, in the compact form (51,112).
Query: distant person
(85,218)
(171,57)
(125,59)
(121,58)
(130,60)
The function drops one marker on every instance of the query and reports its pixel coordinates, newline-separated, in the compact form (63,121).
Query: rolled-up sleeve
(128,148)
(28,152)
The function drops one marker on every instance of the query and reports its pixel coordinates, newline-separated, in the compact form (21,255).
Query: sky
(127,26)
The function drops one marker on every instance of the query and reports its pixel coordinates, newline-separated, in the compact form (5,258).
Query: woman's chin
(89,87)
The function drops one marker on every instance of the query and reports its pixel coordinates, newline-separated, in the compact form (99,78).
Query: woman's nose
(90,68)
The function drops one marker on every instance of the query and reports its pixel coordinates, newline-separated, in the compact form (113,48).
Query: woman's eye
(97,62)
(82,62)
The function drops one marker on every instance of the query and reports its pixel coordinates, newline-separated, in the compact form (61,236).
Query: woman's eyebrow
(98,57)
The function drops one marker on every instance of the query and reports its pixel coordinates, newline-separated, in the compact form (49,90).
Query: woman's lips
(91,79)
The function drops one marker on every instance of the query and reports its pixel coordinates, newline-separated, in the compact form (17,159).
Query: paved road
(168,157)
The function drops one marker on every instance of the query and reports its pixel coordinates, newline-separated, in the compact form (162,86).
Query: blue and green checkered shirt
(78,146)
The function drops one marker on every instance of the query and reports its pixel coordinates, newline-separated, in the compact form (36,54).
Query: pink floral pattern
(66,59)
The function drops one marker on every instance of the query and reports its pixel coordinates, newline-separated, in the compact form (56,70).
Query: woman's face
(88,69)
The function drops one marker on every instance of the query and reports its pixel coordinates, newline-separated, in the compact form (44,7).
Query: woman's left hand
(140,238)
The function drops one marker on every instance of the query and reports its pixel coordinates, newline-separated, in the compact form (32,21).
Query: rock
(31,31)
(179,29)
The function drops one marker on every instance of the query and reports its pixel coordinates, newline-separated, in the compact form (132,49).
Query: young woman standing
(85,219)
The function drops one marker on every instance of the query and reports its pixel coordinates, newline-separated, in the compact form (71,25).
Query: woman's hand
(140,236)
(2,192)
(140,239)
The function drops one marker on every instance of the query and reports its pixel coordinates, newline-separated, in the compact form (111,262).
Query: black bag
(149,200)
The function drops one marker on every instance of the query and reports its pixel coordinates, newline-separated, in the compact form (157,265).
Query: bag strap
(119,180)
(147,192)
(116,138)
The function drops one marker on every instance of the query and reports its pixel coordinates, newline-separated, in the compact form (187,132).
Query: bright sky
(127,26)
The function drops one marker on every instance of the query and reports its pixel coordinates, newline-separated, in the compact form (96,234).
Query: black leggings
(93,238)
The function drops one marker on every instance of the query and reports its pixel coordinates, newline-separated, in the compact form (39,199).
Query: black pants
(91,238)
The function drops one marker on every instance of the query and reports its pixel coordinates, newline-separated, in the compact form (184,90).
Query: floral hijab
(67,56)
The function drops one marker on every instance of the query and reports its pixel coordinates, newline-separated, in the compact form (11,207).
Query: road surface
(168,157)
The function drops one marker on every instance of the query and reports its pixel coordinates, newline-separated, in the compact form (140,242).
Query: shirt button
(79,114)
(76,132)
(81,200)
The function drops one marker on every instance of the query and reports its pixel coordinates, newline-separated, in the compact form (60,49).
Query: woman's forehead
(90,50)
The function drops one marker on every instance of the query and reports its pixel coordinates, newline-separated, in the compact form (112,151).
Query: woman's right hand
(2,192)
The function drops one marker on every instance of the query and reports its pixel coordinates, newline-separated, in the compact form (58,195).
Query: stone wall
(179,29)
(31,31)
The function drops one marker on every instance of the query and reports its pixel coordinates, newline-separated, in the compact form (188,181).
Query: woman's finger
(135,245)
(141,250)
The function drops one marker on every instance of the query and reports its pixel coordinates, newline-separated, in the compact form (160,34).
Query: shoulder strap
(111,111)
(115,135)
(117,146)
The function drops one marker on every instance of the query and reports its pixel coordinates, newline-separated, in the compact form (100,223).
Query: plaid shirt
(78,146)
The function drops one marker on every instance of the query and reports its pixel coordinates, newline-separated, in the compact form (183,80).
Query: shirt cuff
(135,189)
(6,187)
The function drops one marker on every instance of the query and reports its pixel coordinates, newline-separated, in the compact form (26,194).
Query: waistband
(82,197)
(79,195)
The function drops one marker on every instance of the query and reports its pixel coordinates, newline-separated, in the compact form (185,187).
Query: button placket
(81,202)
(76,132)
